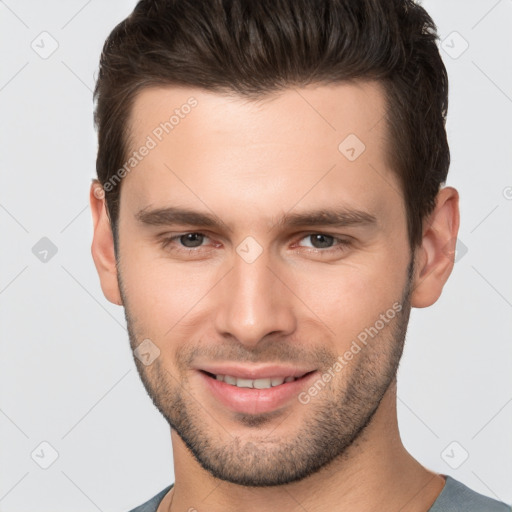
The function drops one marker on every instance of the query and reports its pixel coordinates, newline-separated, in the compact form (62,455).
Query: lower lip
(255,401)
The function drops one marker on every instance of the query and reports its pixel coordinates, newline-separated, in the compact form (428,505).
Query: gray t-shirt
(455,497)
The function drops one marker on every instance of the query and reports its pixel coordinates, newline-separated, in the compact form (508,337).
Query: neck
(375,470)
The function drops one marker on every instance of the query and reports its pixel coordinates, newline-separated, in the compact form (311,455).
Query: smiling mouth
(264,383)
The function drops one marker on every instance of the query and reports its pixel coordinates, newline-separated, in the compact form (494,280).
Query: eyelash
(342,244)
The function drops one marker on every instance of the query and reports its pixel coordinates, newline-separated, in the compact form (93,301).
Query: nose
(254,303)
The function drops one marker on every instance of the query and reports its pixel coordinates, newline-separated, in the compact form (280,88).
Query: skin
(249,163)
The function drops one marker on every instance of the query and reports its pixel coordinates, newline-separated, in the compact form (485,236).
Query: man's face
(263,288)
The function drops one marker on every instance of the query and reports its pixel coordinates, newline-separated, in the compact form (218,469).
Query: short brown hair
(256,47)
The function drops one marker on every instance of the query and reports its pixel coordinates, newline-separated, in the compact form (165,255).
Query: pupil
(321,241)
(191,239)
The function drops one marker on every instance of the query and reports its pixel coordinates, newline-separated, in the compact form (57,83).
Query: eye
(191,240)
(184,241)
(321,243)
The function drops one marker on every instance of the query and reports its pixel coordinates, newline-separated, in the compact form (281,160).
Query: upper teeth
(254,383)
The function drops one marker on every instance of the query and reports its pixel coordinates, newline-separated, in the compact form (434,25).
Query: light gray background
(67,376)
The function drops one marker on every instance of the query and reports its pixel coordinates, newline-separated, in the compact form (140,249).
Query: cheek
(162,294)
(148,286)
(349,298)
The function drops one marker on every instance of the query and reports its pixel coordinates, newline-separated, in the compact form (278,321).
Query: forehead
(352,107)
(318,140)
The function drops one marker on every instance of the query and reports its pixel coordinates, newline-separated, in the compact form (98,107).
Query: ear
(102,247)
(434,259)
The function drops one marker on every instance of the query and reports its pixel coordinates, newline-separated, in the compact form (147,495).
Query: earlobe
(435,257)
(102,248)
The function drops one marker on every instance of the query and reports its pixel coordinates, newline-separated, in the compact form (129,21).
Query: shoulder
(456,497)
(152,504)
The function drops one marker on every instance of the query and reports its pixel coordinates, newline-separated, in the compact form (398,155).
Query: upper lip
(255,372)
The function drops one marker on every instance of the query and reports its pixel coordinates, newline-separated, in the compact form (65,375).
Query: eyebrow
(341,217)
